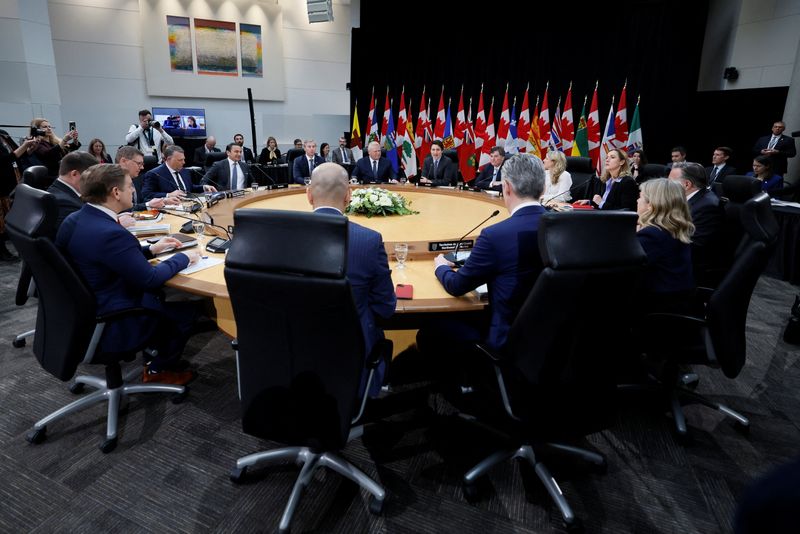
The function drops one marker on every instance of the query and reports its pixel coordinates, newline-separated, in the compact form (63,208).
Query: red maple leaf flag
(567,124)
(593,131)
(438,129)
(544,124)
(621,121)
(466,150)
(461,122)
(387,110)
(489,138)
(422,136)
(480,126)
(524,124)
(372,125)
(505,122)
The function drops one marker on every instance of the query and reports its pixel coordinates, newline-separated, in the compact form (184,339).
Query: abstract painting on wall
(252,64)
(180,43)
(216,47)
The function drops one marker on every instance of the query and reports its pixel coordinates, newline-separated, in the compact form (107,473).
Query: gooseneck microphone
(570,190)
(167,212)
(453,256)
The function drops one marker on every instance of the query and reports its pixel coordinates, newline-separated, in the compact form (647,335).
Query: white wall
(99,61)
(762,44)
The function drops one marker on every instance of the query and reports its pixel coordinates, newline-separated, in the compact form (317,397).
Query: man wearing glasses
(132,160)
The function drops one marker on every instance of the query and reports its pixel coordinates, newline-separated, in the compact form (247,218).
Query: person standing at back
(777,147)
(148,135)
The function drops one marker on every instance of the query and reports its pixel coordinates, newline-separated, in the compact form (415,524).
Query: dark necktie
(310,166)
(435,168)
(235,176)
(179,182)
(375,168)
(714,174)
(344,156)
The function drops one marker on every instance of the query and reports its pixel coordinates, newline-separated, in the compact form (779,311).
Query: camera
(37,132)
(153,124)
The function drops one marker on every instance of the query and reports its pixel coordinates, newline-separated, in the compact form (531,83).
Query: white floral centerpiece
(376,201)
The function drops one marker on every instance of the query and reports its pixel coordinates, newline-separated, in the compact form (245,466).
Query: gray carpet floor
(169,472)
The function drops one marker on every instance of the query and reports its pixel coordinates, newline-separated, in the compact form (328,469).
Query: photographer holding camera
(48,148)
(148,136)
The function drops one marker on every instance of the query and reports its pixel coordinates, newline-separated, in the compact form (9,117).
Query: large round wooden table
(444,215)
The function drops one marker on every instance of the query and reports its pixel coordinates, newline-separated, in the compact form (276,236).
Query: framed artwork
(216,47)
(250,38)
(179,35)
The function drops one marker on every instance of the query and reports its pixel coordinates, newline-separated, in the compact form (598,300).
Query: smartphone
(404,291)
(72,126)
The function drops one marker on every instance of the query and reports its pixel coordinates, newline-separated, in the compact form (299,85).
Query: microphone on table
(546,205)
(274,184)
(453,256)
(206,220)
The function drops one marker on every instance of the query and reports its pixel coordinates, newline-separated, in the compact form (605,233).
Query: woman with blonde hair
(557,181)
(270,154)
(49,148)
(620,191)
(665,230)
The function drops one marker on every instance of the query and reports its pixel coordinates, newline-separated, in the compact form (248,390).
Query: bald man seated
(367,264)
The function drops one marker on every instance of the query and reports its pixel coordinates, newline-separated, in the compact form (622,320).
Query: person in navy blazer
(783,147)
(445,173)
(492,174)
(363,170)
(219,175)
(116,269)
(367,264)
(720,168)
(300,167)
(66,188)
(665,231)
(505,257)
(161,181)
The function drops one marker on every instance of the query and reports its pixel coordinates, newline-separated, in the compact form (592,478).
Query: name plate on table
(437,246)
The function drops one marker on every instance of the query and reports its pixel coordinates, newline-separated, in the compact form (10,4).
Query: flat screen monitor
(182,122)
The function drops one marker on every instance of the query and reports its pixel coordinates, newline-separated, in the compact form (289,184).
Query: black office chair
(735,191)
(716,339)
(553,378)
(285,274)
(37,176)
(581,171)
(291,155)
(67,330)
(452,155)
(150,163)
(652,170)
(213,157)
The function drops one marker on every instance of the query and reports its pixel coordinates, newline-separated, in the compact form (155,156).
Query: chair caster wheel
(108,445)
(77,388)
(178,398)
(742,428)
(37,436)
(18,343)
(575,526)
(471,492)
(237,474)
(375,505)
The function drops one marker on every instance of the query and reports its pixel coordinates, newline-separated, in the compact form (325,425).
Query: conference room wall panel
(319,75)
(80,59)
(319,46)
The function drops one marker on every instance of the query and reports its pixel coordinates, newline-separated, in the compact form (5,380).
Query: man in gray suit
(343,155)
(230,173)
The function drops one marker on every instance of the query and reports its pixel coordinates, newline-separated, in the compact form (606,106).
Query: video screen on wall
(182,122)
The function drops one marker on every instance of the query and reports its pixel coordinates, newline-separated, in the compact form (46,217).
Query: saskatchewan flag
(581,145)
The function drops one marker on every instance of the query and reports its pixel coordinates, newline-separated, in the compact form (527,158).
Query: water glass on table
(401,253)
(307,181)
(254,186)
(199,228)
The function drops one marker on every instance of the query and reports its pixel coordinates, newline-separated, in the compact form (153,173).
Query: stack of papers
(147,228)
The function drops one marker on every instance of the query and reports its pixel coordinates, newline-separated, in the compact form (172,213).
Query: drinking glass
(401,253)
(254,185)
(199,227)
(403,179)
(307,181)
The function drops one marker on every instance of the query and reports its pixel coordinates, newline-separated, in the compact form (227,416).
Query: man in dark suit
(777,146)
(116,269)
(373,168)
(709,259)
(492,174)
(247,154)
(719,168)
(202,152)
(170,179)
(131,160)
(66,188)
(343,155)
(304,165)
(367,265)
(437,169)
(505,257)
(230,173)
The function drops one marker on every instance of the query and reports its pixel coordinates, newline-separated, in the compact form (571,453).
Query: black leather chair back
(452,155)
(213,157)
(568,333)
(37,176)
(300,345)
(66,316)
(27,215)
(581,171)
(150,163)
(736,190)
(652,170)
(291,155)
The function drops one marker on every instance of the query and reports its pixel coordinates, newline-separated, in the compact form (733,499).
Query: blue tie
(235,176)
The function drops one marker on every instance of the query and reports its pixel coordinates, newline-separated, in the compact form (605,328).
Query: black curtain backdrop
(654,45)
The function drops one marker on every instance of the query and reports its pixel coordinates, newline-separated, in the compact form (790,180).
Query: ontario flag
(567,124)
(438,128)
(355,137)
(480,126)
(488,138)
(524,124)
(593,133)
(387,113)
(544,124)
(461,121)
(502,129)
(608,137)
(372,124)
(447,137)
(467,156)
(405,140)
(621,121)
(424,135)
(532,144)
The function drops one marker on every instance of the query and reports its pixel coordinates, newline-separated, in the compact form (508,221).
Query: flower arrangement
(376,201)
